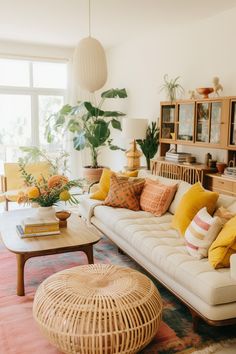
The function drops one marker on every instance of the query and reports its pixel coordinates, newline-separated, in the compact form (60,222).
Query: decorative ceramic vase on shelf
(221,166)
(63,215)
(46,212)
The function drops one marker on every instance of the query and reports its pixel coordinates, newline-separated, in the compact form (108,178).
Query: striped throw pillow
(201,232)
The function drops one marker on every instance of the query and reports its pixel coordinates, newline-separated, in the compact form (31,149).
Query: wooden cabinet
(202,123)
(220,184)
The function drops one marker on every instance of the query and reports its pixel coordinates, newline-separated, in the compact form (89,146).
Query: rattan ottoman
(98,309)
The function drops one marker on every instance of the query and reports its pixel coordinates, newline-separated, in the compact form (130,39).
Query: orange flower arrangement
(48,192)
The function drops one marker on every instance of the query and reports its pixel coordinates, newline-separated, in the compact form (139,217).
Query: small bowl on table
(63,215)
(204,91)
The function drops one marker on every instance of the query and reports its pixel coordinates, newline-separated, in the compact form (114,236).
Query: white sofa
(151,242)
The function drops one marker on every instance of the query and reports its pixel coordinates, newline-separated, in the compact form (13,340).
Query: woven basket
(98,309)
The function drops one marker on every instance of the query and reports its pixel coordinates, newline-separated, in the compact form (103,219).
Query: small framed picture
(166,133)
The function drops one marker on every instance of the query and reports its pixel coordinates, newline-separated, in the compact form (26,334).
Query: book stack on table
(33,226)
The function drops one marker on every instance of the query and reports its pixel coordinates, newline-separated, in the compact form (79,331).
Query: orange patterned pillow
(156,197)
(124,193)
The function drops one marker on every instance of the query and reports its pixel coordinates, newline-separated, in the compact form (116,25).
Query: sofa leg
(6,205)
(195,320)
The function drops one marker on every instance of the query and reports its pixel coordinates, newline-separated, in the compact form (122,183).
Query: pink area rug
(20,335)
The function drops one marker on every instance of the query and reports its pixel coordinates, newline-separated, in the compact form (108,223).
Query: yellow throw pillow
(130,173)
(192,201)
(104,183)
(224,245)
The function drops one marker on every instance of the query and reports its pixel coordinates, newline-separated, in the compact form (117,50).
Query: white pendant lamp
(91,62)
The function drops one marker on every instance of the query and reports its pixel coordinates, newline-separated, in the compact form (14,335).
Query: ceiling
(65,22)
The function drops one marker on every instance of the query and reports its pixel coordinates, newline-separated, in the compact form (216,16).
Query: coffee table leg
(89,253)
(20,274)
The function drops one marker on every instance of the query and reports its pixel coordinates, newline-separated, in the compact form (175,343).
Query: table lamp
(134,128)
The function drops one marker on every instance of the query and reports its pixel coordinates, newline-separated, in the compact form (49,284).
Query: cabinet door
(215,128)
(203,122)
(185,123)
(168,122)
(233,123)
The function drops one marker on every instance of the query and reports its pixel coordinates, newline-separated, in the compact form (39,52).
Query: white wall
(196,52)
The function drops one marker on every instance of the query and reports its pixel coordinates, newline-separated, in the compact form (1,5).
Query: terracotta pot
(221,166)
(92,174)
(63,215)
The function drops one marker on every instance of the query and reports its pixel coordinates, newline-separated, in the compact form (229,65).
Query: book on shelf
(22,234)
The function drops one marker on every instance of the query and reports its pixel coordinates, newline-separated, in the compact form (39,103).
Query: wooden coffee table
(77,236)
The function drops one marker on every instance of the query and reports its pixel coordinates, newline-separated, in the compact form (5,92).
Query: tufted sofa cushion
(153,237)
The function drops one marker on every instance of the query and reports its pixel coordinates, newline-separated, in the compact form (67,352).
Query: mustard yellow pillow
(130,173)
(223,246)
(104,183)
(192,201)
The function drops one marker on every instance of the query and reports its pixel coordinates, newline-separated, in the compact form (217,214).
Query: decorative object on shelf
(90,58)
(149,145)
(178,157)
(89,124)
(230,172)
(207,158)
(63,215)
(221,166)
(172,88)
(212,164)
(192,94)
(216,85)
(135,129)
(47,192)
(205,91)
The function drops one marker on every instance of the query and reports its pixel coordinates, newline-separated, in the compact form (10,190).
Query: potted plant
(149,145)
(90,126)
(172,87)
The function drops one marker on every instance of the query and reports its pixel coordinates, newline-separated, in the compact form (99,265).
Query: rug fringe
(217,346)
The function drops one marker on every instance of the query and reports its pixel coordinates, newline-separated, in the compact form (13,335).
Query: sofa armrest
(87,206)
(233,266)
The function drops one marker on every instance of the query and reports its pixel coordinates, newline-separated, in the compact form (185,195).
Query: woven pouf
(98,309)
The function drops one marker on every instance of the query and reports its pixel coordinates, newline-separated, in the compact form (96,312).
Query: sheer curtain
(77,159)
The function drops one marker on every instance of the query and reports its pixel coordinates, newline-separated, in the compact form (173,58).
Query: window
(30,91)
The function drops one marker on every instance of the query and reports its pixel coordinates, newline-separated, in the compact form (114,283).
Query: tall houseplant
(89,124)
(149,145)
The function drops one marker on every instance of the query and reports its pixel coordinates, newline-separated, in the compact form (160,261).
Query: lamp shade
(134,128)
(91,64)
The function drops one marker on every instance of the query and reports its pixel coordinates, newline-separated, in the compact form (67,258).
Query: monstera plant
(89,124)
(149,145)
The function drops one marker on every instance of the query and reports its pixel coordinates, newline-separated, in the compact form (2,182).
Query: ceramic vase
(46,212)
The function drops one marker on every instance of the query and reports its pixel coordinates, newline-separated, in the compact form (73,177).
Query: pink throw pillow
(157,197)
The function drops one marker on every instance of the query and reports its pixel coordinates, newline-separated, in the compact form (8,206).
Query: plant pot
(221,166)
(46,213)
(92,174)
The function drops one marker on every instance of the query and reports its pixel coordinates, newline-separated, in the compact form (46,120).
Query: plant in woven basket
(47,192)
(172,87)
(149,145)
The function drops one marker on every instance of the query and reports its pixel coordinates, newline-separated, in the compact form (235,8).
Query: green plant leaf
(116,124)
(79,141)
(113,114)
(94,111)
(114,93)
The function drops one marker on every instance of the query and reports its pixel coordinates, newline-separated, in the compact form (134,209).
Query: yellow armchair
(12,182)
